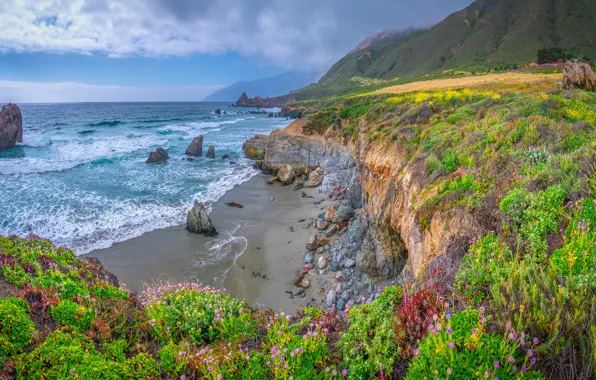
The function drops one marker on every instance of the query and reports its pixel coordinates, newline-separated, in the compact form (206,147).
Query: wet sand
(255,257)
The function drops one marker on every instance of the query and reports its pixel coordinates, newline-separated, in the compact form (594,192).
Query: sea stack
(199,222)
(210,152)
(196,147)
(11,126)
(160,155)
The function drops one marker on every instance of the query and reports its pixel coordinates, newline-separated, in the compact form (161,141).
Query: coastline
(255,257)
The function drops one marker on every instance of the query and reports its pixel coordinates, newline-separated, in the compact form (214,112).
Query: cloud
(297,34)
(58,92)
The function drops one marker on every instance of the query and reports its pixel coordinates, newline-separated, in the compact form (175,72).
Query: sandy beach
(255,257)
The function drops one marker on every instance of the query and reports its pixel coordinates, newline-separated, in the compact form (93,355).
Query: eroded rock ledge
(383,184)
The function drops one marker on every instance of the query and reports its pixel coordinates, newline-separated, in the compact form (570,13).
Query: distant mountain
(267,87)
(487,34)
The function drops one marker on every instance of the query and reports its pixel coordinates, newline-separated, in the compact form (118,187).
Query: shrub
(412,319)
(354,111)
(64,355)
(460,347)
(71,314)
(481,267)
(200,314)
(15,326)
(370,341)
(552,54)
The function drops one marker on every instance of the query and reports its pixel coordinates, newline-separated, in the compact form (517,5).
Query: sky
(168,50)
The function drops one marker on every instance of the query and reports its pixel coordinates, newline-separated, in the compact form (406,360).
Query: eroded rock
(315,178)
(196,147)
(210,152)
(578,75)
(286,175)
(11,126)
(160,155)
(199,222)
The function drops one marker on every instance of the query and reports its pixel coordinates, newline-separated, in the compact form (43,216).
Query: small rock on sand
(234,204)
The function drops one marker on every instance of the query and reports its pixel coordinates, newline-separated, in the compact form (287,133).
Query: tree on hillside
(552,54)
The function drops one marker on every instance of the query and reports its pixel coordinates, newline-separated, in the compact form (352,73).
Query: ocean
(80,178)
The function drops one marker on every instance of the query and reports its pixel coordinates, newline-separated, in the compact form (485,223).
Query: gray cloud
(297,34)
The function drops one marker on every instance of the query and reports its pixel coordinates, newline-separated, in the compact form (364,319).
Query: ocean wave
(70,154)
(106,123)
(86,131)
(85,220)
(200,126)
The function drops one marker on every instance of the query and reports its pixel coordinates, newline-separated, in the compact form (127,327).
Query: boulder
(286,175)
(11,126)
(199,222)
(330,214)
(344,213)
(331,298)
(225,157)
(160,155)
(578,75)
(315,178)
(210,152)
(196,147)
(322,262)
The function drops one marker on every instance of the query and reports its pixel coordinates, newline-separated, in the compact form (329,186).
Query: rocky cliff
(384,183)
(257,101)
(11,126)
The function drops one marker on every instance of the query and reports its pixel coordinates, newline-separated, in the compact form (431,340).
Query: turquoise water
(80,178)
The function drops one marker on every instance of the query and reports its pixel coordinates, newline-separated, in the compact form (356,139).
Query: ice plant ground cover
(520,303)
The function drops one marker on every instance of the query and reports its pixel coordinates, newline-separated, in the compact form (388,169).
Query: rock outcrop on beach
(11,126)
(199,222)
(196,147)
(578,75)
(315,178)
(210,152)
(286,175)
(255,147)
(160,155)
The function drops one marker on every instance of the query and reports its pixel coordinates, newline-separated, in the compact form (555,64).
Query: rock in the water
(330,298)
(578,75)
(286,175)
(344,213)
(210,152)
(218,111)
(11,126)
(330,214)
(225,157)
(160,155)
(199,222)
(322,262)
(315,178)
(196,147)
(349,263)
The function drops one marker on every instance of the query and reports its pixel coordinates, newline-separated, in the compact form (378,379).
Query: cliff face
(11,126)
(383,183)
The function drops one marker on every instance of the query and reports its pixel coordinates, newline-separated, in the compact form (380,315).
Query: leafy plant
(15,326)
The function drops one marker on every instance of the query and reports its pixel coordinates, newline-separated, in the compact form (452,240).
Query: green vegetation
(520,303)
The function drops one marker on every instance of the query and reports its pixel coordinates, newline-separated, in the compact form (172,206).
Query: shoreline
(255,257)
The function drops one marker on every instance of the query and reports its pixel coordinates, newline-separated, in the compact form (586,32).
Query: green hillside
(489,34)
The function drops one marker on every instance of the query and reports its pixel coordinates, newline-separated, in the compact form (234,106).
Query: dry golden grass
(505,81)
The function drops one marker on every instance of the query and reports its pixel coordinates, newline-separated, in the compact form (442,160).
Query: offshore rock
(196,147)
(11,126)
(210,152)
(199,222)
(160,155)
(225,157)
(578,75)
